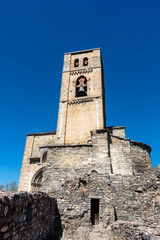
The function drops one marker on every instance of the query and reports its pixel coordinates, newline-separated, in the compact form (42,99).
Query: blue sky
(34,35)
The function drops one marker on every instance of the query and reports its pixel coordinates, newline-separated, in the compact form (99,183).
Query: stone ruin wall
(129,204)
(109,168)
(77,174)
(25,216)
(145,225)
(141,159)
(126,199)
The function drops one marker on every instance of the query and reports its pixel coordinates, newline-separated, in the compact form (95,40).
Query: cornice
(81,72)
(82,100)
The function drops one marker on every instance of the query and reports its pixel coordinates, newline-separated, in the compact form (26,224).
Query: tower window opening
(94,211)
(81,87)
(85,61)
(115,215)
(44,157)
(76,62)
(34,160)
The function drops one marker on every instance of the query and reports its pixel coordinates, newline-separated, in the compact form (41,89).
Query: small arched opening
(44,157)
(94,172)
(76,62)
(85,61)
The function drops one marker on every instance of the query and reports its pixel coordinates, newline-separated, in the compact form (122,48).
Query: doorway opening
(94,211)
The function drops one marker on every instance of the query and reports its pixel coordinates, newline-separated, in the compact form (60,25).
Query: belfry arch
(81,86)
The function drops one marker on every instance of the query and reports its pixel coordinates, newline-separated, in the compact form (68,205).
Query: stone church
(95,172)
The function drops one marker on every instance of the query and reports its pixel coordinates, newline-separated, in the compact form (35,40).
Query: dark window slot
(94,211)
(34,160)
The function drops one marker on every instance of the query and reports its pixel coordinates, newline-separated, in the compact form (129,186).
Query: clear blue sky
(35,34)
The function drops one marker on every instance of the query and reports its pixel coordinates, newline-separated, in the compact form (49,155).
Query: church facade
(91,169)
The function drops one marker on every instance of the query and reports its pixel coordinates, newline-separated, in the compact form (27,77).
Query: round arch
(85,61)
(44,157)
(76,62)
(36,183)
(81,86)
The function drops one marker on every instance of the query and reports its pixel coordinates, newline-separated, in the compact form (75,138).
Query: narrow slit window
(44,157)
(94,211)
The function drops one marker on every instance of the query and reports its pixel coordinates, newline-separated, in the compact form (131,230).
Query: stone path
(97,232)
(149,229)
(100,233)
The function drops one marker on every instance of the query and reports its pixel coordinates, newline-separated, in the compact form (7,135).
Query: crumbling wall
(140,230)
(141,159)
(26,216)
(136,196)
(121,198)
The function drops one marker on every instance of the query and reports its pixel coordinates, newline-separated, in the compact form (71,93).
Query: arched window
(85,61)
(44,157)
(94,172)
(37,180)
(76,62)
(81,87)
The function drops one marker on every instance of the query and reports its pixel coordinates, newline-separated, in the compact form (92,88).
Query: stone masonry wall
(140,154)
(115,151)
(33,142)
(143,222)
(105,152)
(26,216)
(78,116)
(121,198)
(83,116)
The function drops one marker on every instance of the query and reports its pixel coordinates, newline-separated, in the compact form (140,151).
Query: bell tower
(81,107)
